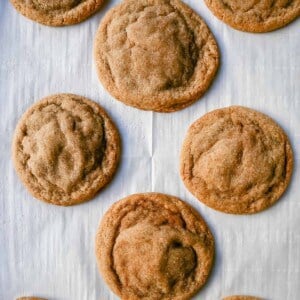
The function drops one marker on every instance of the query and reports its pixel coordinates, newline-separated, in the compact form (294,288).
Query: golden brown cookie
(65,149)
(57,12)
(255,15)
(30,298)
(241,298)
(155,54)
(154,246)
(236,160)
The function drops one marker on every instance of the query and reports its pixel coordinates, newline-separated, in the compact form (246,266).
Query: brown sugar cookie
(241,298)
(236,160)
(65,149)
(154,246)
(57,12)
(155,54)
(30,298)
(255,15)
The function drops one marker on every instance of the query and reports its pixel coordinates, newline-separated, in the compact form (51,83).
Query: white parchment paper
(48,251)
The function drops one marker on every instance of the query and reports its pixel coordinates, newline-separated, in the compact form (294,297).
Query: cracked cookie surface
(65,149)
(155,54)
(154,246)
(255,15)
(56,12)
(236,160)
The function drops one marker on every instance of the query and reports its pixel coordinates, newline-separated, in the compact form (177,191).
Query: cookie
(65,149)
(30,298)
(241,298)
(155,54)
(236,160)
(57,12)
(255,15)
(154,246)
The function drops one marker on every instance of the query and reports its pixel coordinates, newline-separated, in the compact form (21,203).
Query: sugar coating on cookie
(65,149)
(57,12)
(154,246)
(239,297)
(155,54)
(255,15)
(236,160)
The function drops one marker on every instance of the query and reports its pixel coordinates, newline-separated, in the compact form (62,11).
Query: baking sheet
(48,251)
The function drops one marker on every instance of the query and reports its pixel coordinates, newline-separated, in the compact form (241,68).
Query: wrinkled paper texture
(48,251)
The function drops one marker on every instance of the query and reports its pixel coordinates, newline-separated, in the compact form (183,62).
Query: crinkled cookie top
(155,54)
(255,15)
(65,149)
(57,12)
(154,246)
(236,160)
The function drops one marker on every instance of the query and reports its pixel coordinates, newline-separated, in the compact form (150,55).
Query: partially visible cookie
(154,246)
(236,160)
(65,149)
(57,12)
(241,298)
(155,54)
(30,298)
(255,15)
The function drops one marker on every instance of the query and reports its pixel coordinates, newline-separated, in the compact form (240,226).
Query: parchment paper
(48,251)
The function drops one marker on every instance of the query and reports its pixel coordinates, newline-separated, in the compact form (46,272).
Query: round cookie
(65,149)
(241,298)
(255,15)
(155,54)
(154,246)
(236,160)
(57,12)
